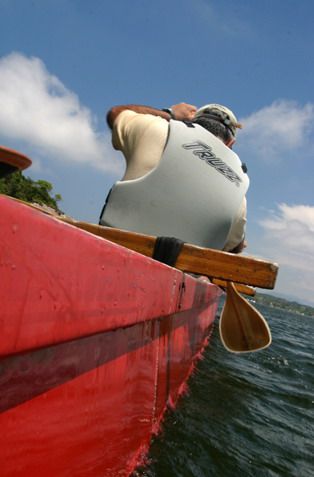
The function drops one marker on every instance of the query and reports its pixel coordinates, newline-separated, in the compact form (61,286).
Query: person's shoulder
(131,118)
(125,115)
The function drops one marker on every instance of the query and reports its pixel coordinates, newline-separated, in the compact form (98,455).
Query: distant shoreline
(282,303)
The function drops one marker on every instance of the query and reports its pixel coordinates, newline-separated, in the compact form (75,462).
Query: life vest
(193,194)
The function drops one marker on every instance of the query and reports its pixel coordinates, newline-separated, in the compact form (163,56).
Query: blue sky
(64,63)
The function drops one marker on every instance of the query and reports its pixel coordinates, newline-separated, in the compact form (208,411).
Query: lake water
(247,415)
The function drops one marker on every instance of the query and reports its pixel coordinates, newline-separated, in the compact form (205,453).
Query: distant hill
(282,303)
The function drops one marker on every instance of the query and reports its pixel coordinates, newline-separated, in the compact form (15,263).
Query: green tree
(24,188)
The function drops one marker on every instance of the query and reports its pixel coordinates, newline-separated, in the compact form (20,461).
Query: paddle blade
(242,328)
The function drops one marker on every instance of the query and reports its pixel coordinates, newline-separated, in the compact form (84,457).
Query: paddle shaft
(214,264)
(203,261)
(244,289)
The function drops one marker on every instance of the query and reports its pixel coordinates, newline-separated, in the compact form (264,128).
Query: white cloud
(36,108)
(289,239)
(217,18)
(292,230)
(278,135)
(278,129)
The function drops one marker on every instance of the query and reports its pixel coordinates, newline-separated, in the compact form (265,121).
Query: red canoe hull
(96,341)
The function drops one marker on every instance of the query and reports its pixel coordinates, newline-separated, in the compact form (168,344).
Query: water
(248,415)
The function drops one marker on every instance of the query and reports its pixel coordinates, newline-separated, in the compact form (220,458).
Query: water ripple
(248,415)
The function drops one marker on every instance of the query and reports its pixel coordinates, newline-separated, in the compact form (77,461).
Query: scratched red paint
(95,341)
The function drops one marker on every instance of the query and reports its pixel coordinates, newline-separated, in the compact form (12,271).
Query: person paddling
(182,178)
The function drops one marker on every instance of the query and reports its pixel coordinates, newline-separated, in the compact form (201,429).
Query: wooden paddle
(203,261)
(242,328)
(12,161)
(219,266)
(243,289)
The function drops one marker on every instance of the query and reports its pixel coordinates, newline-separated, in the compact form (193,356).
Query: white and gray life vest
(193,194)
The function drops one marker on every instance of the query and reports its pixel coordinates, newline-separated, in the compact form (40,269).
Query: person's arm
(236,241)
(181,112)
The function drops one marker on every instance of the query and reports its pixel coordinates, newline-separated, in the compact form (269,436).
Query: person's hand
(239,248)
(184,111)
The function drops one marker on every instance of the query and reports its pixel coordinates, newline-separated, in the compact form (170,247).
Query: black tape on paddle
(167,250)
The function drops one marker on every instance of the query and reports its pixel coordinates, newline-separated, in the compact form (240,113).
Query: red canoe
(96,340)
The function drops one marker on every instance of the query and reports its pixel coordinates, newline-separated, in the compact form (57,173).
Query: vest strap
(167,250)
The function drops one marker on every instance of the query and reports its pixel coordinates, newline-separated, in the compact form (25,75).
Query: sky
(64,63)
